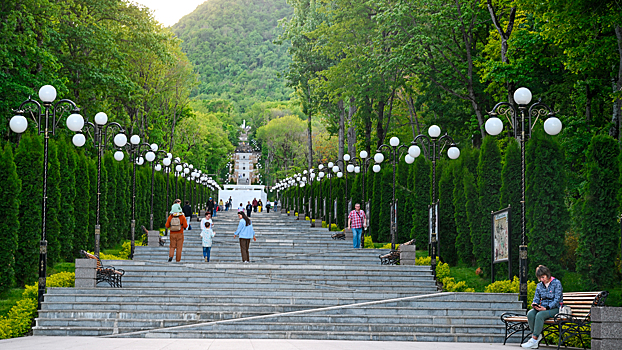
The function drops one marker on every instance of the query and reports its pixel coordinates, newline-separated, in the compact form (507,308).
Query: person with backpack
(176,223)
(245,231)
(206,239)
(249,209)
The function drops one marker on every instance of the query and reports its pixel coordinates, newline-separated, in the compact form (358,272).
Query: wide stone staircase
(300,284)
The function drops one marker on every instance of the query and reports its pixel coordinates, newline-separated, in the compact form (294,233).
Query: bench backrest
(581,302)
(92,256)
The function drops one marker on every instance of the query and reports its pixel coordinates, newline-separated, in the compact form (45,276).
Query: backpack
(175,224)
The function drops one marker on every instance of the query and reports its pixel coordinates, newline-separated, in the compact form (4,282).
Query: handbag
(566,310)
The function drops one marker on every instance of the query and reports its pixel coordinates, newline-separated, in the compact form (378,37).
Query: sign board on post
(500,238)
(430,223)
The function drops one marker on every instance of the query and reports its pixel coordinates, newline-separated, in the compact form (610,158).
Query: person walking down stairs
(245,231)
(176,223)
(187,209)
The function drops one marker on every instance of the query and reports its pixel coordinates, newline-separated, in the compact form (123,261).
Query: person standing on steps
(357,221)
(206,239)
(210,206)
(245,231)
(207,218)
(268,206)
(188,213)
(176,223)
(249,209)
(241,207)
(215,206)
(255,203)
(221,205)
(546,302)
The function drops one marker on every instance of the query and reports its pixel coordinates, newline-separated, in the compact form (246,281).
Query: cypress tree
(109,236)
(375,201)
(446,223)
(464,248)
(54,205)
(511,195)
(67,160)
(402,193)
(420,201)
(9,211)
(385,194)
(598,238)
(488,186)
(472,214)
(90,234)
(547,216)
(29,163)
(82,204)
(356,191)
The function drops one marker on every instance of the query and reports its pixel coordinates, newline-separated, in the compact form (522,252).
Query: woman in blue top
(246,232)
(546,303)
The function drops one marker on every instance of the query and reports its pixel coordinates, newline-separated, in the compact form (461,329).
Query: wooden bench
(563,326)
(107,274)
(393,257)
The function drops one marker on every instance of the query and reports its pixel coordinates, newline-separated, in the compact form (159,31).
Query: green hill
(230,43)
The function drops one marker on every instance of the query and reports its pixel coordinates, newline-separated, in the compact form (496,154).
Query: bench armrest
(506,315)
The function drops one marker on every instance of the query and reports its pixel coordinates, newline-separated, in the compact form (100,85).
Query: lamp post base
(522,262)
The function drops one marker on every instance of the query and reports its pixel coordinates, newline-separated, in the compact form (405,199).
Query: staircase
(300,284)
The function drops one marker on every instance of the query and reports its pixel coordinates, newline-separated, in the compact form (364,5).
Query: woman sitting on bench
(546,304)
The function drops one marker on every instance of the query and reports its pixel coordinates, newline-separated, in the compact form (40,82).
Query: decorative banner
(501,236)
(335,210)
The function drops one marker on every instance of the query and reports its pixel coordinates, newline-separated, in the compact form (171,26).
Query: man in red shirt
(357,221)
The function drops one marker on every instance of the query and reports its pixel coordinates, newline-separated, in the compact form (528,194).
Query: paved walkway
(81,343)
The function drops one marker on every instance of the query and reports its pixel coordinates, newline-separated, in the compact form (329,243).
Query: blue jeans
(206,252)
(356,237)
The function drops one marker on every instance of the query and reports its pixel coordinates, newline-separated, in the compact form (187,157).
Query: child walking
(207,234)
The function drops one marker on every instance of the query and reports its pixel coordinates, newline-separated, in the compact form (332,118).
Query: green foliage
(547,216)
(82,204)
(230,43)
(507,286)
(420,201)
(384,195)
(403,194)
(511,195)
(19,318)
(599,235)
(488,185)
(463,247)
(29,163)
(9,211)
(368,242)
(53,234)
(447,223)
(67,219)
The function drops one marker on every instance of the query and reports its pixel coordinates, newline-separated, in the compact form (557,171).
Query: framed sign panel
(501,239)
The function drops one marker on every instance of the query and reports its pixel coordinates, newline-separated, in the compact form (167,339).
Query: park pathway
(300,284)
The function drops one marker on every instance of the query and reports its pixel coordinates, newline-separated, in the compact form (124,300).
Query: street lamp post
(394,148)
(135,147)
(522,132)
(100,127)
(18,124)
(434,145)
(362,165)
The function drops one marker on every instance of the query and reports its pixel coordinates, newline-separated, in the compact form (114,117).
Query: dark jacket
(551,297)
(254,202)
(187,211)
(210,206)
(249,207)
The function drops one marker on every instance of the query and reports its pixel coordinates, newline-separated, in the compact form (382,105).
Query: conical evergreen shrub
(67,219)
(488,186)
(54,205)
(547,216)
(82,204)
(420,202)
(9,211)
(511,195)
(447,224)
(464,248)
(599,235)
(472,214)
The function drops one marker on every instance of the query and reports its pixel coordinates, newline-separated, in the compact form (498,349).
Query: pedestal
(86,270)
(153,239)
(407,254)
(301,216)
(606,328)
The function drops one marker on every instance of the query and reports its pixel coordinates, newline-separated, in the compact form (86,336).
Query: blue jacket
(245,231)
(551,297)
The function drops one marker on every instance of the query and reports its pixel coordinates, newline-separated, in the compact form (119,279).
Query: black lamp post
(136,149)
(434,146)
(40,115)
(100,128)
(361,165)
(522,132)
(394,148)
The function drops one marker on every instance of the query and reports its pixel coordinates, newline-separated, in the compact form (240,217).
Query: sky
(169,12)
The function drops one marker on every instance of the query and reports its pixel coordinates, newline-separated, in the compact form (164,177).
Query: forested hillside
(230,44)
